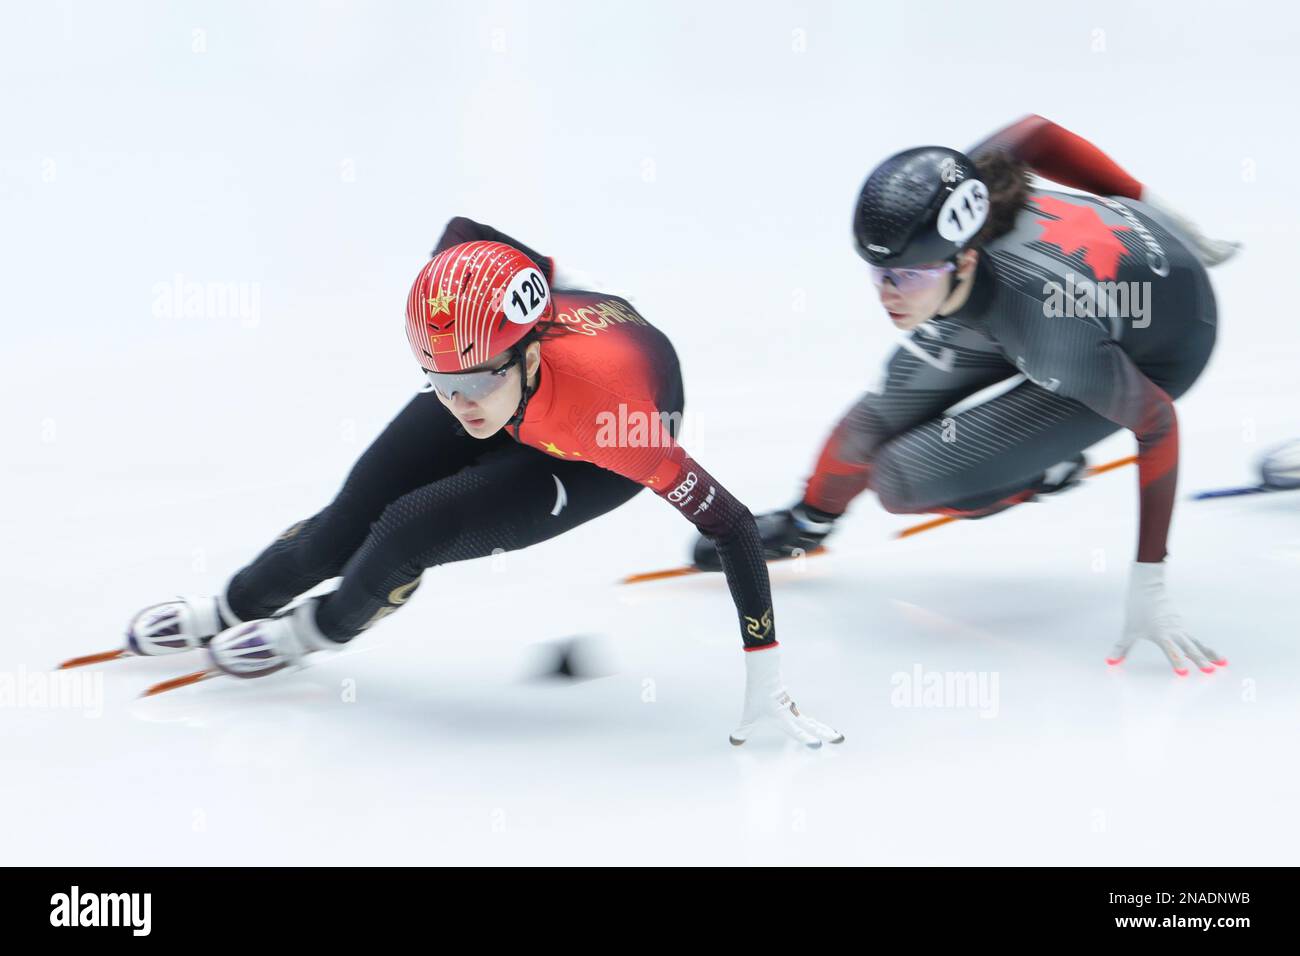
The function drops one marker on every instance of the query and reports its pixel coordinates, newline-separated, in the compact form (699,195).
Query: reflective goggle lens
(472,386)
(913,279)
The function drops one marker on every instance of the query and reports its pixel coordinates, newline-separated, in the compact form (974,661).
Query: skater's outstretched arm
(654,459)
(1094,369)
(460,229)
(1081,361)
(1055,153)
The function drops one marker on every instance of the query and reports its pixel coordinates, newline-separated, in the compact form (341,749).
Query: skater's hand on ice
(766,697)
(1151,616)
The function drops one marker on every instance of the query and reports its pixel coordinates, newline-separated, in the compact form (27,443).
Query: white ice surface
(701,160)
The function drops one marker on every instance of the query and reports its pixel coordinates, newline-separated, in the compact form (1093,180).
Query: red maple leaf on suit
(1078,227)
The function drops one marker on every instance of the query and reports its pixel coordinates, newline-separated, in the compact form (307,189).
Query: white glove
(566,277)
(258,648)
(1211,252)
(766,696)
(1150,615)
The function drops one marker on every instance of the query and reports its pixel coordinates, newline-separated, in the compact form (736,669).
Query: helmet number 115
(964,211)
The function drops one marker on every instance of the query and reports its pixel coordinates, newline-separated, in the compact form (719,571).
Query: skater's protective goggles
(911,279)
(472,386)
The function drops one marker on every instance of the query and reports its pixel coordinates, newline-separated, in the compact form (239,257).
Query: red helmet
(471,302)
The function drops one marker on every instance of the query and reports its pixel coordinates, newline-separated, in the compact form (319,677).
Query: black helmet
(921,205)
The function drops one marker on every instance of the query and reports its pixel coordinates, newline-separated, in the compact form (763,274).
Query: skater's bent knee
(891,485)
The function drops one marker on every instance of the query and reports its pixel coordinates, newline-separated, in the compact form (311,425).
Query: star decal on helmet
(440,304)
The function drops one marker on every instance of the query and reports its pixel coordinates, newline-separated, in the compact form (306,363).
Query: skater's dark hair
(1008,181)
(543,331)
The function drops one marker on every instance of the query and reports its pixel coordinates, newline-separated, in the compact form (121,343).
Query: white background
(705,158)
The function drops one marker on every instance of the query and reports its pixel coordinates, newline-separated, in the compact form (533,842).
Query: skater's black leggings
(424,493)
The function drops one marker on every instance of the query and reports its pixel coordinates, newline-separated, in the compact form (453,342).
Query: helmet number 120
(526,296)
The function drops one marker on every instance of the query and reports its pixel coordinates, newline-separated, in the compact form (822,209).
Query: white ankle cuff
(304,623)
(226,613)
